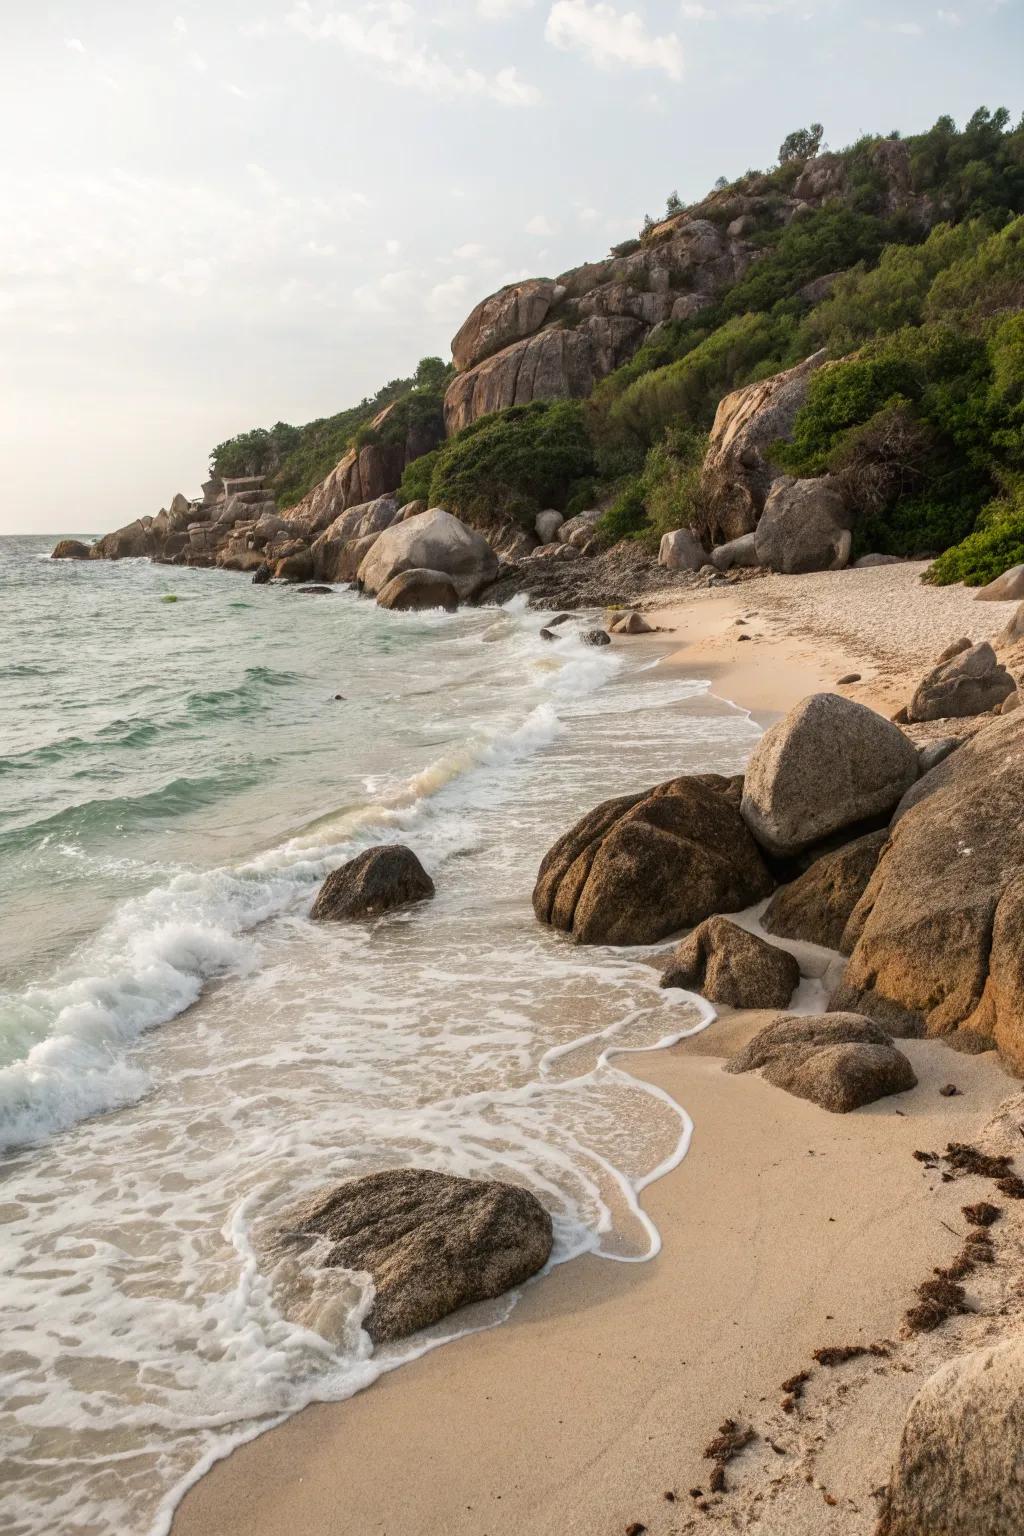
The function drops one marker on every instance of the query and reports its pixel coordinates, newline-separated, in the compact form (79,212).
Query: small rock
(559,618)
(70,549)
(949,1091)
(375,881)
(630,624)
(839,1061)
(968,682)
(262,575)
(847,678)
(595,637)
(956,649)
(745,637)
(545,634)
(729,965)
(316,591)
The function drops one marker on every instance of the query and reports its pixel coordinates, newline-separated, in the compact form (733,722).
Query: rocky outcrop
(1007,588)
(639,868)
(969,682)
(630,623)
(962,1449)
(729,965)
(433,541)
(375,881)
(431,1242)
(681,550)
(333,549)
(70,549)
(506,316)
(937,939)
(132,542)
(839,1061)
(418,590)
(828,764)
(737,473)
(805,526)
(367,473)
(817,906)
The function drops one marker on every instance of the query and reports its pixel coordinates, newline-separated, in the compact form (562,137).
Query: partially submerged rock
(419,590)
(938,936)
(70,549)
(729,965)
(839,1061)
(641,867)
(431,1242)
(433,541)
(828,764)
(817,905)
(375,881)
(962,1451)
(966,682)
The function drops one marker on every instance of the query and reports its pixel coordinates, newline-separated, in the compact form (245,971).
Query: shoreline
(784,1229)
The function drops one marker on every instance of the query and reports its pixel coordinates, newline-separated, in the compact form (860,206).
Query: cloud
(907,28)
(468,252)
(690,11)
(383,36)
(498,10)
(75,44)
(449,298)
(539,225)
(949,18)
(608,37)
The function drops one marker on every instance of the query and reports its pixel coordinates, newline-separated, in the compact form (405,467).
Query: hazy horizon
(223,218)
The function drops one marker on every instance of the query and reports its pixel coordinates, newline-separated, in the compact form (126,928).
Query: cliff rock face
(504,317)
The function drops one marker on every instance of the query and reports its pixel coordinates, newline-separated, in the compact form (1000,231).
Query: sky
(218,214)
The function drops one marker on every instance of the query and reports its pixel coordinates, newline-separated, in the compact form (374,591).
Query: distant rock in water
(70,549)
(431,1241)
(375,881)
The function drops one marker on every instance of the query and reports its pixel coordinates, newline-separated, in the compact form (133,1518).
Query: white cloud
(690,11)
(907,28)
(448,298)
(180,26)
(949,18)
(383,35)
(75,44)
(539,225)
(608,37)
(586,215)
(498,10)
(392,247)
(468,252)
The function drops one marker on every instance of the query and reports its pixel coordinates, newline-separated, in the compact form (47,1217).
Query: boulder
(1007,588)
(375,881)
(595,637)
(70,549)
(631,623)
(817,906)
(546,525)
(804,527)
(512,542)
(969,682)
(431,1242)
(936,942)
(368,473)
(418,590)
(641,867)
(681,550)
(1014,630)
(180,504)
(828,764)
(839,1061)
(411,509)
(959,1465)
(132,542)
(297,566)
(729,965)
(740,551)
(433,541)
(579,530)
(506,316)
(737,473)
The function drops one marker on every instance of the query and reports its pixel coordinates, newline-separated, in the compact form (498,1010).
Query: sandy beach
(785,1229)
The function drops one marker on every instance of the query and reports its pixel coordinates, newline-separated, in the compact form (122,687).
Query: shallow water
(182,1054)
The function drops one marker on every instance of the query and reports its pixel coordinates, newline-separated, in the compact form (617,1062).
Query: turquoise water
(183,1054)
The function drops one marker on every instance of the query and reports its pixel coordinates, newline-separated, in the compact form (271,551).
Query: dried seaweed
(838,1354)
(981,1214)
(729,1441)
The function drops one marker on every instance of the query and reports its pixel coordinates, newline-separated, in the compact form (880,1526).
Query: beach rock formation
(631,623)
(962,1450)
(839,1061)
(817,905)
(681,550)
(1014,630)
(971,681)
(504,317)
(338,551)
(641,867)
(433,541)
(546,525)
(805,526)
(70,549)
(1007,588)
(132,542)
(737,473)
(828,764)
(375,881)
(432,1242)
(729,965)
(738,551)
(936,942)
(419,590)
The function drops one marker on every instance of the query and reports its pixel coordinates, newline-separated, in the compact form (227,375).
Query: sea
(183,1054)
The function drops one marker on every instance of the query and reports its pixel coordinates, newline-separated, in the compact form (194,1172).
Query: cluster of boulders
(906,861)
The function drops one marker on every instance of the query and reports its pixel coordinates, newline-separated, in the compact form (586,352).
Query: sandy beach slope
(784,1229)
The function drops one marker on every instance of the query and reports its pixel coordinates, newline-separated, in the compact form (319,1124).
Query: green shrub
(626,516)
(665,495)
(983,284)
(996,544)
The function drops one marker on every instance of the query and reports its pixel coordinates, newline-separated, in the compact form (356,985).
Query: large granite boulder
(431,1242)
(375,881)
(418,590)
(818,904)
(729,965)
(333,558)
(741,551)
(641,867)
(70,549)
(546,525)
(805,526)
(828,764)
(1007,588)
(960,1469)
(297,566)
(433,541)
(839,1061)
(506,316)
(971,682)
(937,940)
(738,473)
(132,542)
(681,550)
